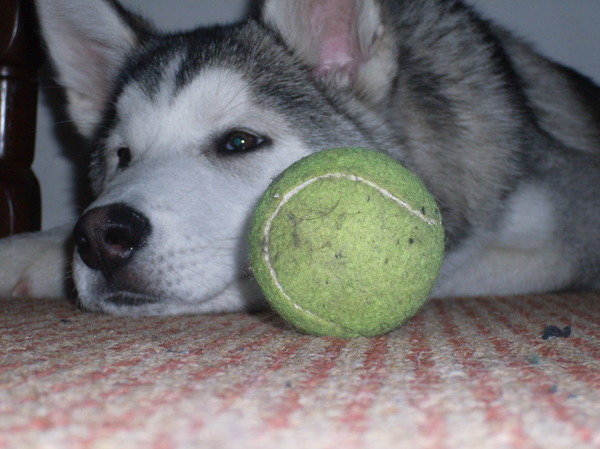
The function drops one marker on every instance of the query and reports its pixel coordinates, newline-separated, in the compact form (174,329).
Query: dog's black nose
(107,237)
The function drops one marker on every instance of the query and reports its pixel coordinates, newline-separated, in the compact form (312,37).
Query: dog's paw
(36,264)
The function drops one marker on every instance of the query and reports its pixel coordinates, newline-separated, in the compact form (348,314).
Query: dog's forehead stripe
(187,54)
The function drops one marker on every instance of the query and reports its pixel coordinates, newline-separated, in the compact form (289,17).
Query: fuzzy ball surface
(346,243)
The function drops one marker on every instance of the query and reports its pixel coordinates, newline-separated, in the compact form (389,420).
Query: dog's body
(189,129)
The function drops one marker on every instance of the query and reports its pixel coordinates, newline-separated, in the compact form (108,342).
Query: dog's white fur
(522,257)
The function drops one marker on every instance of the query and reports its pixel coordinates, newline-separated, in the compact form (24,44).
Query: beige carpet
(466,373)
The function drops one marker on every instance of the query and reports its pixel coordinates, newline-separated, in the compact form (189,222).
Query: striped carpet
(466,373)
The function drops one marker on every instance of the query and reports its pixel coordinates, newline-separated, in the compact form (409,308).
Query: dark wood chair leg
(19,63)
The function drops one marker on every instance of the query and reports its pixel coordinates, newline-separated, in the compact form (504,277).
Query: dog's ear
(343,41)
(88,41)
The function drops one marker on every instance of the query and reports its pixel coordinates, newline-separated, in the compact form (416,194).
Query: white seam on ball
(302,186)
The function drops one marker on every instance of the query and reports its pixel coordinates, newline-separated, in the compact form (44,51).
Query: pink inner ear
(333,24)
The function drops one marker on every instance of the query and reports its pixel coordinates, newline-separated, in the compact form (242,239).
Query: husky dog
(188,129)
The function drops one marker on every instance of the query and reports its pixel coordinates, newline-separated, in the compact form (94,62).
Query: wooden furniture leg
(19,62)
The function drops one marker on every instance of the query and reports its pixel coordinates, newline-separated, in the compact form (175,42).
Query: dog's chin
(239,295)
(124,303)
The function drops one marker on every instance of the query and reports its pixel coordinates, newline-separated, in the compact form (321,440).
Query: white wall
(566,30)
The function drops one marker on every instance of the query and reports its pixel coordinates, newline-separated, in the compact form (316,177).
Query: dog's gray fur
(507,141)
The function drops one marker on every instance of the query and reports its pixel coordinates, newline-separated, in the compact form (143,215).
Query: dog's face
(192,165)
(189,130)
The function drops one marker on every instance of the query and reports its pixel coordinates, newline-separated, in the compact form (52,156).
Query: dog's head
(189,129)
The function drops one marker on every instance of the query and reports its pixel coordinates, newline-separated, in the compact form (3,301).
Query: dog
(188,129)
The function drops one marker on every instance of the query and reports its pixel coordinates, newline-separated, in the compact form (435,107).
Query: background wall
(567,31)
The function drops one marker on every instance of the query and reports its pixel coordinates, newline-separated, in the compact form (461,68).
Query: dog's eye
(239,142)
(124,155)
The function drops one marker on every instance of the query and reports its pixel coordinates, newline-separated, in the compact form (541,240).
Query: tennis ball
(346,243)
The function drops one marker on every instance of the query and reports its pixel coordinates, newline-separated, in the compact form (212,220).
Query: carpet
(464,373)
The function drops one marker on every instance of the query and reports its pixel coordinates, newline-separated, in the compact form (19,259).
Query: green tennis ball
(346,243)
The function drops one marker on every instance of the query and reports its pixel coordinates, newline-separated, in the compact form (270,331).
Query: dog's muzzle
(107,238)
